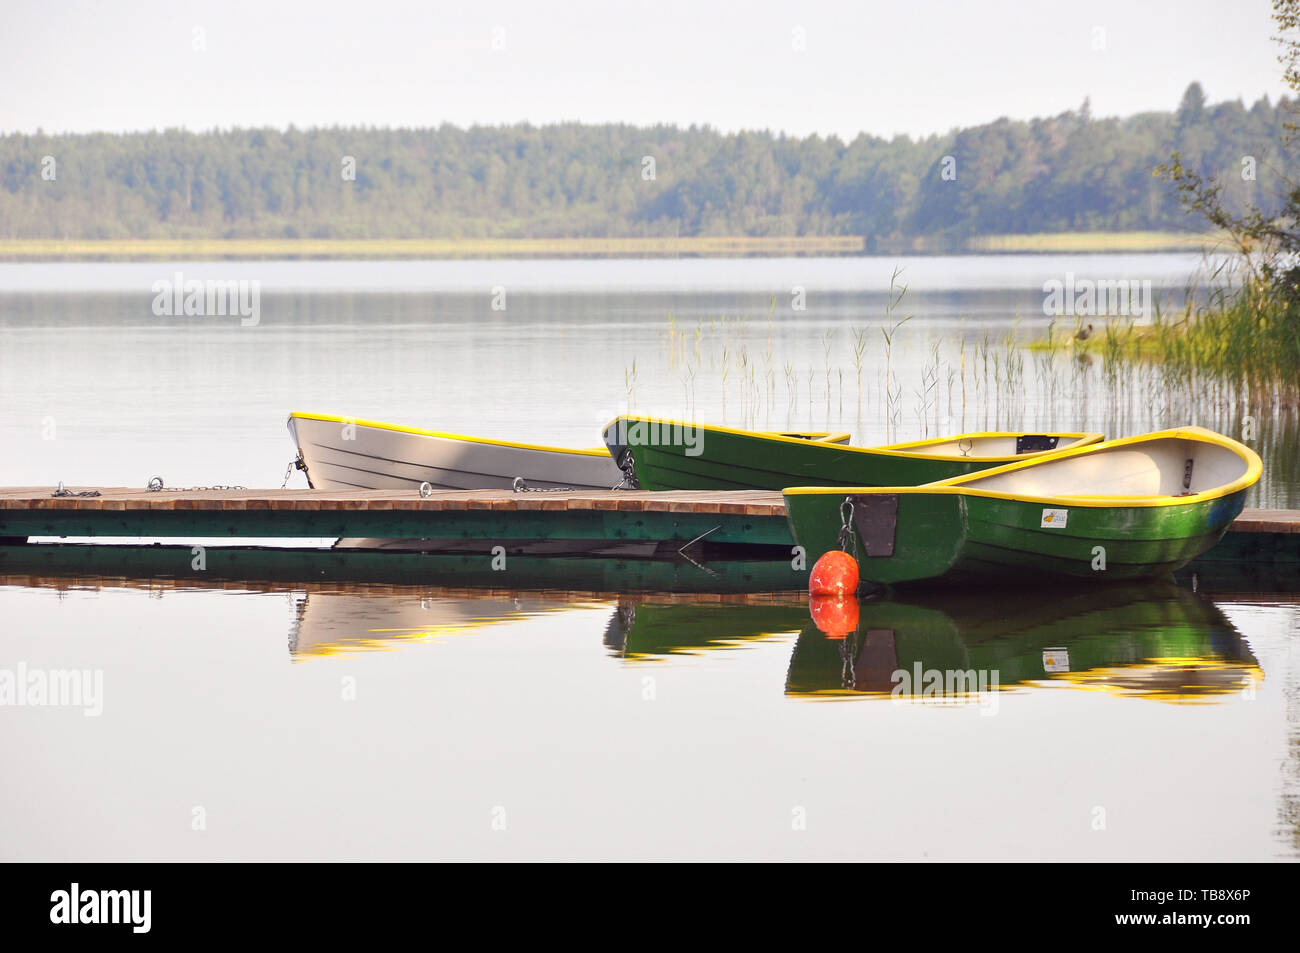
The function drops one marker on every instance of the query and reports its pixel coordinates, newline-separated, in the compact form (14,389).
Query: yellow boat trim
(806,436)
(953,486)
(600,452)
(1080,440)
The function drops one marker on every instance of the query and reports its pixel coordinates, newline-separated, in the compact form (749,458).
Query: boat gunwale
(954,486)
(445,435)
(803,436)
(1089,438)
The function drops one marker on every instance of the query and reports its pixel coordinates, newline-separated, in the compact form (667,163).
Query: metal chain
(297,462)
(156,486)
(848,658)
(63,491)
(628,465)
(847,536)
(519,486)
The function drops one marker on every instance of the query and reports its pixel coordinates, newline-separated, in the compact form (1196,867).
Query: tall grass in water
(889,330)
(1227,360)
(828,340)
(1234,342)
(859,352)
(1247,339)
(927,395)
(629,385)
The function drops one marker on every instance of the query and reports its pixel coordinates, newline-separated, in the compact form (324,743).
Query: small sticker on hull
(1056,660)
(1054,519)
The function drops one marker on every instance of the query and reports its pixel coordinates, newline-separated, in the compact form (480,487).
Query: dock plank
(632,514)
(1267,521)
(738,502)
(757,516)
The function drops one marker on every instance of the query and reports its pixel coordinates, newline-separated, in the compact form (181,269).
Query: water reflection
(360,618)
(654,627)
(1155,641)
(581,327)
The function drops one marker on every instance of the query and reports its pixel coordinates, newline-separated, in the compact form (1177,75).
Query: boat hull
(714,458)
(340,454)
(947,537)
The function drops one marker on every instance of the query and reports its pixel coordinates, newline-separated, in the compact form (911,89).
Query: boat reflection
(650,627)
(331,622)
(367,618)
(1156,641)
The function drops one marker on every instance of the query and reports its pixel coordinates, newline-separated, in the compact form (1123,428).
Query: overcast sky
(902,66)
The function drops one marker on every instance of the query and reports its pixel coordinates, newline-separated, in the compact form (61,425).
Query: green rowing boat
(673,455)
(1124,509)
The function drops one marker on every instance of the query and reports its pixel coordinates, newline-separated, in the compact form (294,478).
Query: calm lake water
(331,720)
(96,388)
(285,707)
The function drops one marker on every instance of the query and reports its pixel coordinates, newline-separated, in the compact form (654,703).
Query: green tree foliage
(1063,173)
(1254,331)
(1264,225)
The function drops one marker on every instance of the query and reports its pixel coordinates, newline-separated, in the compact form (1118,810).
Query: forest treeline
(1070,172)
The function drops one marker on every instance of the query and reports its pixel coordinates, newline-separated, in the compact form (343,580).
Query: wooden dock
(750,517)
(742,517)
(1284,522)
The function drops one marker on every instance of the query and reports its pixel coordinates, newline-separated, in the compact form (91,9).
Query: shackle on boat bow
(846,526)
(627,464)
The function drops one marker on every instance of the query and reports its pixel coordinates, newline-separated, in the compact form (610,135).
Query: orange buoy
(837,616)
(835,574)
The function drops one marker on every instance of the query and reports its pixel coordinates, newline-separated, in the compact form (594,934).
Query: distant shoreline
(55,250)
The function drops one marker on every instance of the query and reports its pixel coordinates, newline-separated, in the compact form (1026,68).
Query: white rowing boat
(342,453)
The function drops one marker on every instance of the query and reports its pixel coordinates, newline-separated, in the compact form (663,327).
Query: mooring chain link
(520,486)
(156,486)
(628,465)
(847,537)
(296,463)
(64,491)
(848,658)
